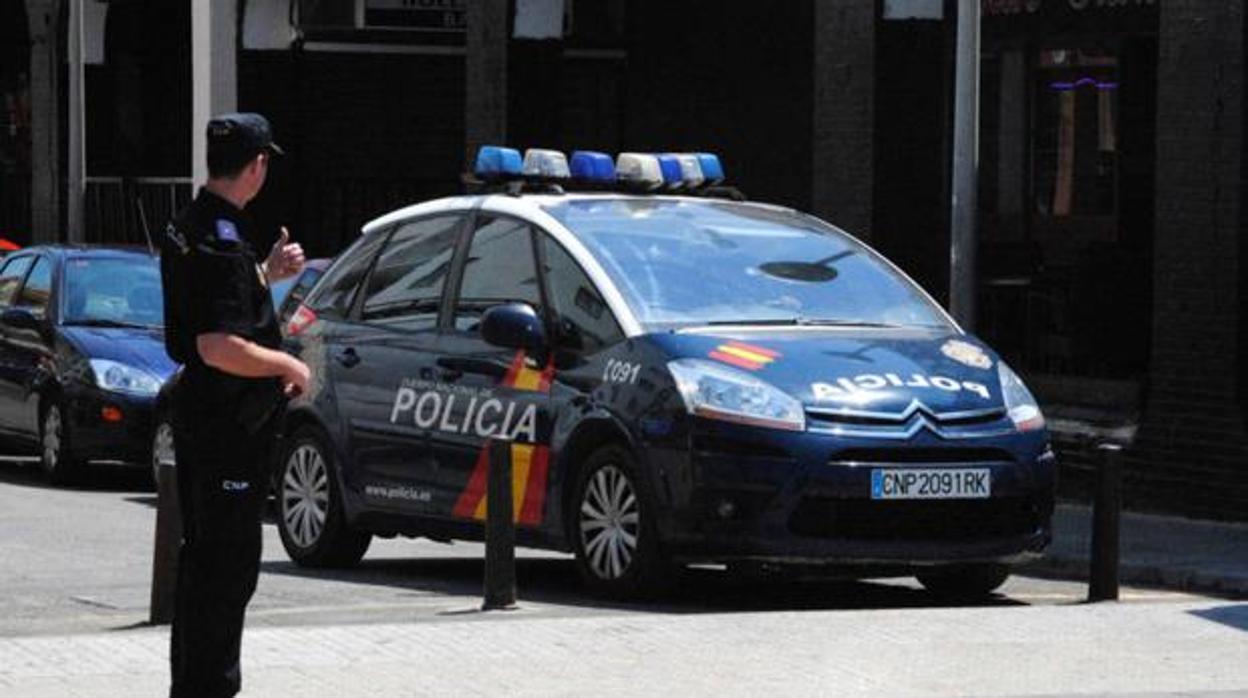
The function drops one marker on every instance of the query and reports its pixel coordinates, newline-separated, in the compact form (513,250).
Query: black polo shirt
(213,283)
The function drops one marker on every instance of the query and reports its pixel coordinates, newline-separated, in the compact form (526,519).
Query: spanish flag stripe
(517,365)
(769,353)
(527,379)
(736,360)
(474,493)
(746,354)
(521,462)
(535,497)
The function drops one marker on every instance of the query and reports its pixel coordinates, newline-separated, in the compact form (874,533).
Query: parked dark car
(82,354)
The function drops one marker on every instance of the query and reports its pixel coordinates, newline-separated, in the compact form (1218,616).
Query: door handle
(347,357)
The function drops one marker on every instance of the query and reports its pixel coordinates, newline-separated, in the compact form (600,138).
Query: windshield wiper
(805,322)
(100,322)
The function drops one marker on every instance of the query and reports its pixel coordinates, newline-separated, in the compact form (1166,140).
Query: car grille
(943,520)
(886,456)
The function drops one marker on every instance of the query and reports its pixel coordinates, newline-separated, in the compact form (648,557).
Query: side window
(405,288)
(584,320)
(11,278)
(333,296)
(38,288)
(499,269)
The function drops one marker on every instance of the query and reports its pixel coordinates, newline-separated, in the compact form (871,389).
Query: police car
(675,376)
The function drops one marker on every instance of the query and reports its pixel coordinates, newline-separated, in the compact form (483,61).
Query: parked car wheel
(310,515)
(617,549)
(56,454)
(162,447)
(965,581)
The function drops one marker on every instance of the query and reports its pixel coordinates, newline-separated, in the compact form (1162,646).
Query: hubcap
(609,521)
(305,495)
(52,438)
(162,448)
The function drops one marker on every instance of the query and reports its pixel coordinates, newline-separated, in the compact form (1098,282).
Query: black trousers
(222,490)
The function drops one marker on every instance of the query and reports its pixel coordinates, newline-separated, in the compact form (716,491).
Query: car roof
(531,203)
(83,250)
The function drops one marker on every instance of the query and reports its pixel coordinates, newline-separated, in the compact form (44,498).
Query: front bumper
(737,493)
(94,437)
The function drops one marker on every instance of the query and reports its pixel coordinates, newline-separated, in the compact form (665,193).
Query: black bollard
(168,542)
(500,539)
(1106,510)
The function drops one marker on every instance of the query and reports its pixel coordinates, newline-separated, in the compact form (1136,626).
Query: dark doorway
(14,121)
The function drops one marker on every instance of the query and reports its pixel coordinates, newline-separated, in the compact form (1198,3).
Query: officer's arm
(232,354)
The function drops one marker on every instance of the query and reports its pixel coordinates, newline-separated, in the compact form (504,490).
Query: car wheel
(965,581)
(617,549)
(56,454)
(162,448)
(310,515)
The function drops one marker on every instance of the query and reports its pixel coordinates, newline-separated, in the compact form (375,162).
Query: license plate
(931,483)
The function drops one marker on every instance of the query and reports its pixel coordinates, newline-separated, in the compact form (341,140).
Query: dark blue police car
(674,377)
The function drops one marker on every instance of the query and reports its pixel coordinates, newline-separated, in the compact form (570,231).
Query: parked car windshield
(113,292)
(681,262)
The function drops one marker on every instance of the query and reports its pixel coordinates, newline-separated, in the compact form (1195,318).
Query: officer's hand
(285,260)
(297,378)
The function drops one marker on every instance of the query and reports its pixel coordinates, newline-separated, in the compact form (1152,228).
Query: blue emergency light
(669,165)
(712,171)
(494,162)
(592,166)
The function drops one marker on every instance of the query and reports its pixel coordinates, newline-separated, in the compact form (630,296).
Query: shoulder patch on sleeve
(227,231)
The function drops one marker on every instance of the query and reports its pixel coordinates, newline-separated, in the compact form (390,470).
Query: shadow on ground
(1235,616)
(554,581)
(22,471)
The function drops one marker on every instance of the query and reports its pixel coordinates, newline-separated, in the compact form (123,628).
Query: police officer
(220,323)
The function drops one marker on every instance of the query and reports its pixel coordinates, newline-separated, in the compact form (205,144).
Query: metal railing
(118,210)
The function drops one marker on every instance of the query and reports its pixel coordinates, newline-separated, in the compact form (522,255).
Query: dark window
(38,287)
(298,291)
(11,277)
(499,269)
(584,320)
(405,288)
(333,296)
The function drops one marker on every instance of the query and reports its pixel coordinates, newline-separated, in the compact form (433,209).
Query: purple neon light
(1082,82)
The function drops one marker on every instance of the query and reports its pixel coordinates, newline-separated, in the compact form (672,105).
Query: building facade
(1112,267)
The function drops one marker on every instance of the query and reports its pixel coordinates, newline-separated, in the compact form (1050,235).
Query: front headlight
(118,377)
(718,392)
(1019,402)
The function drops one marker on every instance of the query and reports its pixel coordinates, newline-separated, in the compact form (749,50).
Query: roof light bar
(712,171)
(690,170)
(550,164)
(495,162)
(670,165)
(592,166)
(640,169)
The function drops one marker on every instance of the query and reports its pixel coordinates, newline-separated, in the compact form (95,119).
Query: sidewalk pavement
(1165,551)
(1184,648)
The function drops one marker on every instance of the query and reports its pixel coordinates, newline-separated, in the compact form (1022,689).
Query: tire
(162,447)
(965,581)
(310,514)
(56,453)
(613,531)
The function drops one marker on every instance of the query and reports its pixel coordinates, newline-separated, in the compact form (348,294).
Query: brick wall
(1192,451)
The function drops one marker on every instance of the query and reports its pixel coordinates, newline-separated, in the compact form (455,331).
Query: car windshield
(113,292)
(680,262)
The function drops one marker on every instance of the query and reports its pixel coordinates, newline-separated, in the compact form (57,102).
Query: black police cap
(240,137)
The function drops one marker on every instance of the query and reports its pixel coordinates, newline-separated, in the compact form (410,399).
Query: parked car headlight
(718,392)
(118,377)
(1019,402)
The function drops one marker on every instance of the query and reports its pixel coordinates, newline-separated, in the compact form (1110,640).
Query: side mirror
(20,319)
(514,326)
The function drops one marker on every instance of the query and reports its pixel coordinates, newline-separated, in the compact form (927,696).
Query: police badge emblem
(966,353)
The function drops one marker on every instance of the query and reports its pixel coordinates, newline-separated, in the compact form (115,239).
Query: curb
(1185,579)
